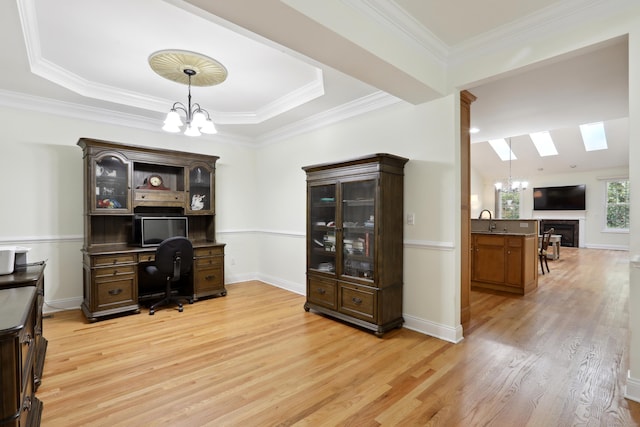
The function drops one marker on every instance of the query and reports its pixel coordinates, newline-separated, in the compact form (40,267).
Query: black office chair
(174,258)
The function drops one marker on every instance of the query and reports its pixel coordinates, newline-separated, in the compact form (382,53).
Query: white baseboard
(61,305)
(632,391)
(610,247)
(436,330)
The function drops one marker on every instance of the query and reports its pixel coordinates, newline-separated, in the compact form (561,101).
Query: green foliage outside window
(618,204)
(510,204)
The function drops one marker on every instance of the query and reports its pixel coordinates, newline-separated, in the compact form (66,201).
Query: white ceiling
(289,73)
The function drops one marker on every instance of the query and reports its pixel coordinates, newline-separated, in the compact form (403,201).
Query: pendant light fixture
(192,69)
(510,185)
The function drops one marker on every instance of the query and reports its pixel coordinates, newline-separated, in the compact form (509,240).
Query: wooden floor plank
(556,357)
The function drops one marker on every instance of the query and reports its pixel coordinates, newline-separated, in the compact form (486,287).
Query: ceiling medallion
(192,69)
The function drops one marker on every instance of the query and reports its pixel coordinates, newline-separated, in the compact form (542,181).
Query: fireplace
(568,228)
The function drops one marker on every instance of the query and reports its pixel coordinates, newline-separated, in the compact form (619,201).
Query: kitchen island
(504,255)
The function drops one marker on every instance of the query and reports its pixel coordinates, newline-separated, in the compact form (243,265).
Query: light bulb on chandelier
(190,68)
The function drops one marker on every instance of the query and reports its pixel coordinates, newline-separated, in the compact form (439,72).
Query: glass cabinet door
(322,228)
(112,187)
(200,185)
(358,220)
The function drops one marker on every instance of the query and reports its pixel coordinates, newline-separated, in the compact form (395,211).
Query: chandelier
(189,68)
(510,186)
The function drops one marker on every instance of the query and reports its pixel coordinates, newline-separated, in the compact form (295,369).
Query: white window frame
(605,227)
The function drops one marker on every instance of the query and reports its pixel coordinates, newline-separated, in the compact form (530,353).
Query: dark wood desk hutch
(22,345)
(354,241)
(125,182)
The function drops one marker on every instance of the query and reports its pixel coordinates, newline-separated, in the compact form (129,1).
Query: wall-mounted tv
(152,230)
(567,198)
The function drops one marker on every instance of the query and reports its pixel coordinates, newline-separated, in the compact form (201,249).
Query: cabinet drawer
(116,271)
(209,279)
(358,302)
(321,292)
(165,197)
(115,292)
(210,251)
(103,260)
(208,262)
(150,257)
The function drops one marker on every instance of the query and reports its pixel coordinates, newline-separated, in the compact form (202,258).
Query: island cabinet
(354,241)
(18,404)
(504,262)
(123,183)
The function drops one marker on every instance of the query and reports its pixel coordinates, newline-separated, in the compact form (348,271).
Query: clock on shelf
(153,182)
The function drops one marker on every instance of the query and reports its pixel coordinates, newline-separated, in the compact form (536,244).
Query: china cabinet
(354,241)
(123,182)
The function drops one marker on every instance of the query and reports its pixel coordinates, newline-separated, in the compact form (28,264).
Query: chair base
(170,300)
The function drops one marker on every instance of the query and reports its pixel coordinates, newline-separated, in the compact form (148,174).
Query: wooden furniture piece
(354,241)
(32,275)
(543,249)
(18,347)
(122,181)
(174,258)
(555,242)
(504,262)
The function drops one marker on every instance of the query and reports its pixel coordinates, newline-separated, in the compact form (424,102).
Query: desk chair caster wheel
(151,311)
(180,309)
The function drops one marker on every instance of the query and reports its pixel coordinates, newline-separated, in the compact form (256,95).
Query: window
(617,205)
(508,206)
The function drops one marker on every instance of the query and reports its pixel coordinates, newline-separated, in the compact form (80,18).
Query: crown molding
(51,71)
(354,108)
(553,19)
(396,19)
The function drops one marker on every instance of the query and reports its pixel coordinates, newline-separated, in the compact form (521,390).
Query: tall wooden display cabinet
(354,241)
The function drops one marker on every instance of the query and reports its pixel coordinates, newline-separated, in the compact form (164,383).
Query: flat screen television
(567,198)
(152,230)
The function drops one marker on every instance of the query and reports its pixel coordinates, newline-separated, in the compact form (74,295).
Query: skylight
(502,149)
(544,144)
(593,136)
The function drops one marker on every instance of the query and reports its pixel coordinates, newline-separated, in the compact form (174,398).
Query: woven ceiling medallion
(171,64)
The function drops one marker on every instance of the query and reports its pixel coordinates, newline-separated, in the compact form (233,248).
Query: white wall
(425,134)
(593,219)
(42,207)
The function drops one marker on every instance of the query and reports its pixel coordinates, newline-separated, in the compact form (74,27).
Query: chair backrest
(174,257)
(546,238)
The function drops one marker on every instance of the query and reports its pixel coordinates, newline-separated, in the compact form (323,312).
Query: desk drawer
(208,262)
(104,260)
(119,291)
(150,257)
(209,278)
(118,270)
(209,251)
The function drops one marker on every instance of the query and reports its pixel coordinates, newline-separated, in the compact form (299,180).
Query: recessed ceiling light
(474,130)
(544,144)
(593,136)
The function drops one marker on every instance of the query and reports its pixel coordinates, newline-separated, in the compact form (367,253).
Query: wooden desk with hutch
(122,181)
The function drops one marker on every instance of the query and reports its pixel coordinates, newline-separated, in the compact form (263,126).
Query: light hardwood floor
(556,357)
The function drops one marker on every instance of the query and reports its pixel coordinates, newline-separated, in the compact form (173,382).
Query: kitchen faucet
(483,211)
(492,224)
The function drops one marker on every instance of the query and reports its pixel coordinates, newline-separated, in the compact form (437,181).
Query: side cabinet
(110,285)
(18,404)
(354,241)
(504,262)
(208,271)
